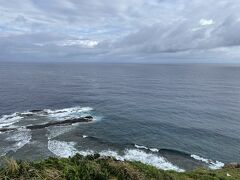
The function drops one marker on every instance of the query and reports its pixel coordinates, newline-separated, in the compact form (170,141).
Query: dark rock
(88,117)
(36,111)
(93,157)
(54,123)
(57,123)
(96,156)
(26,115)
(7,129)
(232,165)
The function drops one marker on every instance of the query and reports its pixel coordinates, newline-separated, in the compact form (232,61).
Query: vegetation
(96,167)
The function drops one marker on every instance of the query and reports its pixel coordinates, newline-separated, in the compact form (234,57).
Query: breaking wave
(8,120)
(61,148)
(20,136)
(84,136)
(48,114)
(211,164)
(151,159)
(16,140)
(66,149)
(144,147)
(61,114)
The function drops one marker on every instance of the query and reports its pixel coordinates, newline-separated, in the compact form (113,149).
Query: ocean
(172,116)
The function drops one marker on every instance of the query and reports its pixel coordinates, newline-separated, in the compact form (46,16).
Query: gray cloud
(126,30)
(183,36)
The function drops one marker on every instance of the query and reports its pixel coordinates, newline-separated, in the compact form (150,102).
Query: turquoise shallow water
(172,116)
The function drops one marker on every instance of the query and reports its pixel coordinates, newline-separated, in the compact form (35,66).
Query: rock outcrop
(53,123)
(232,165)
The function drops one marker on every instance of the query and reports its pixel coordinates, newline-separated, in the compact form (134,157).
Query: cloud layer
(126,30)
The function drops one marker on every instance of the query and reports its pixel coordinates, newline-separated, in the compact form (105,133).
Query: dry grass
(11,166)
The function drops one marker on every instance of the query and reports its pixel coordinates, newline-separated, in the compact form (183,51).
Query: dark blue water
(178,109)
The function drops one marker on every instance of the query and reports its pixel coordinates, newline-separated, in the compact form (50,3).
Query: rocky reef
(67,121)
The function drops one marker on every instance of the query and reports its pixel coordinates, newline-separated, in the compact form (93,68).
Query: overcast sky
(120,31)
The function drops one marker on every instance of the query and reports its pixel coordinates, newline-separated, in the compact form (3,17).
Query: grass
(96,167)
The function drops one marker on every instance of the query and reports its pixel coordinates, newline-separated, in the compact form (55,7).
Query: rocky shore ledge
(52,123)
(97,167)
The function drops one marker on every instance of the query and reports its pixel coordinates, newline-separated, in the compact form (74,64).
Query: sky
(154,31)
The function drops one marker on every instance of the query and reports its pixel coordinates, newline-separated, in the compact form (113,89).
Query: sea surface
(176,116)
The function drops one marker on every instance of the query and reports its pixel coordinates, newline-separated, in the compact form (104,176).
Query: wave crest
(66,149)
(146,148)
(211,164)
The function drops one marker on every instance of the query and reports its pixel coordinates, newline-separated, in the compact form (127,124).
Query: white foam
(61,148)
(57,131)
(86,152)
(84,136)
(151,159)
(154,149)
(17,140)
(211,164)
(144,147)
(7,120)
(199,158)
(138,155)
(140,147)
(112,154)
(86,109)
(68,112)
(59,114)
(62,114)
(27,113)
(66,149)
(216,165)
(74,112)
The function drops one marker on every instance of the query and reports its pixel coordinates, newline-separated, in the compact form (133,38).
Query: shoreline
(166,159)
(104,167)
